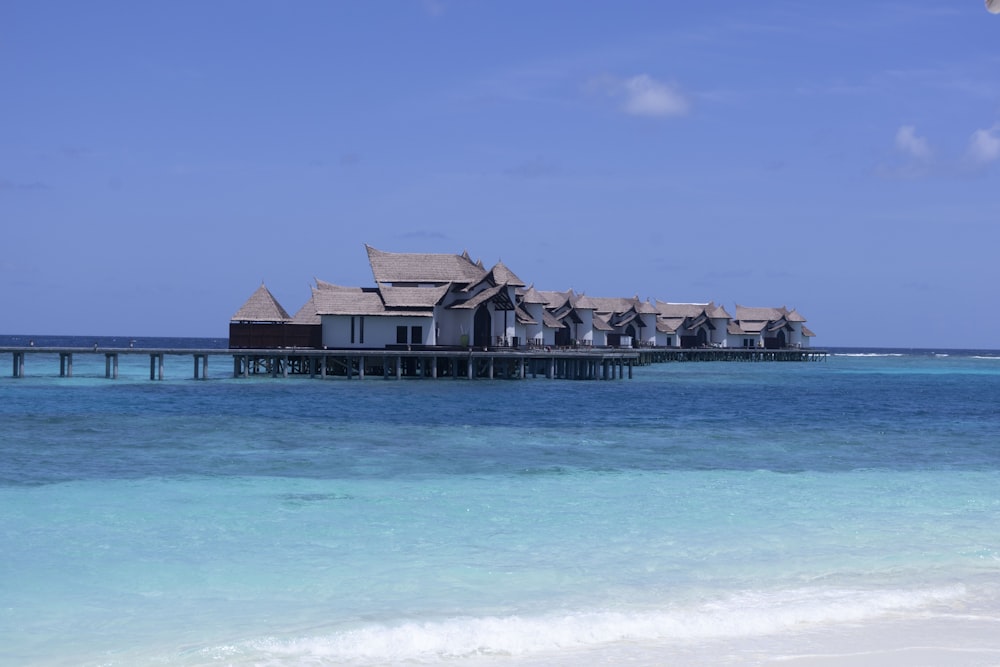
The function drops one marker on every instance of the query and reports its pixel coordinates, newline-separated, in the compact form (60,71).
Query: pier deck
(572,364)
(387,363)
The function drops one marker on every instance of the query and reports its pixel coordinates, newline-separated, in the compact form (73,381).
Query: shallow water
(709,513)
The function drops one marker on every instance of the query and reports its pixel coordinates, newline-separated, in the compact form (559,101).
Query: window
(401,335)
(361,327)
(416,335)
(352,331)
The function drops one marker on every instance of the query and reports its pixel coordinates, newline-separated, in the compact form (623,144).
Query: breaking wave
(744,615)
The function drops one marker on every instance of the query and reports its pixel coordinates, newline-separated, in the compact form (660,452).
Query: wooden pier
(656,355)
(506,363)
(359,364)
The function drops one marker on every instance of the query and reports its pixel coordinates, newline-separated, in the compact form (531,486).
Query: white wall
(380,330)
(534,331)
(720,336)
(453,323)
(584,331)
(648,332)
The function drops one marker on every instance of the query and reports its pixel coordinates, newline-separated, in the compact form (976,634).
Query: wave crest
(745,615)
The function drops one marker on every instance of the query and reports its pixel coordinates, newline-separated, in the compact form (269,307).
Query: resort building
(690,325)
(433,300)
(769,328)
(420,300)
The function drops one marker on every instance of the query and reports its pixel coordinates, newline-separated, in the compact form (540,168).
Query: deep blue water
(701,507)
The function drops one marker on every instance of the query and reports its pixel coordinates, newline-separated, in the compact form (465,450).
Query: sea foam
(748,614)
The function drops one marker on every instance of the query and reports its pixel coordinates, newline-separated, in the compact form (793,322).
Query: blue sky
(159,160)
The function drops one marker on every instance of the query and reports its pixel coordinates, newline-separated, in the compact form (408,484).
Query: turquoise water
(731,512)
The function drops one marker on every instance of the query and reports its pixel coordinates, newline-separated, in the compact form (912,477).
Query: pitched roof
(336,300)
(261,307)
(681,310)
(531,295)
(794,316)
(668,326)
(555,299)
(601,323)
(307,313)
(405,267)
(501,274)
(412,297)
(498,291)
(523,317)
(604,304)
(644,307)
(551,321)
(750,326)
(719,312)
(743,313)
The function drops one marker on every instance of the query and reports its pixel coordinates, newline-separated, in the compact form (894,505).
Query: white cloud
(644,96)
(908,142)
(984,147)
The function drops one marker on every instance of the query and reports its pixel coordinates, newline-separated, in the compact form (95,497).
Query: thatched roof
(719,313)
(523,317)
(745,314)
(412,297)
(336,300)
(681,310)
(307,313)
(531,295)
(550,321)
(555,300)
(432,268)
(501,274)
(601,323)
(668,325)
(262,307)
(497,294)
(604,304)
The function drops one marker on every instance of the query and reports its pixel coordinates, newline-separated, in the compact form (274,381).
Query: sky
(159,161)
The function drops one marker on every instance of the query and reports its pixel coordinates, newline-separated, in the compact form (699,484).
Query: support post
(361,368)
(65,364)
(434,367)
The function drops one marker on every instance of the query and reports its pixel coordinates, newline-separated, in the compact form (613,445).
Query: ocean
(844,512)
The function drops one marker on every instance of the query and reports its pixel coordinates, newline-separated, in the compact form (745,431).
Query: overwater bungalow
(448,301)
